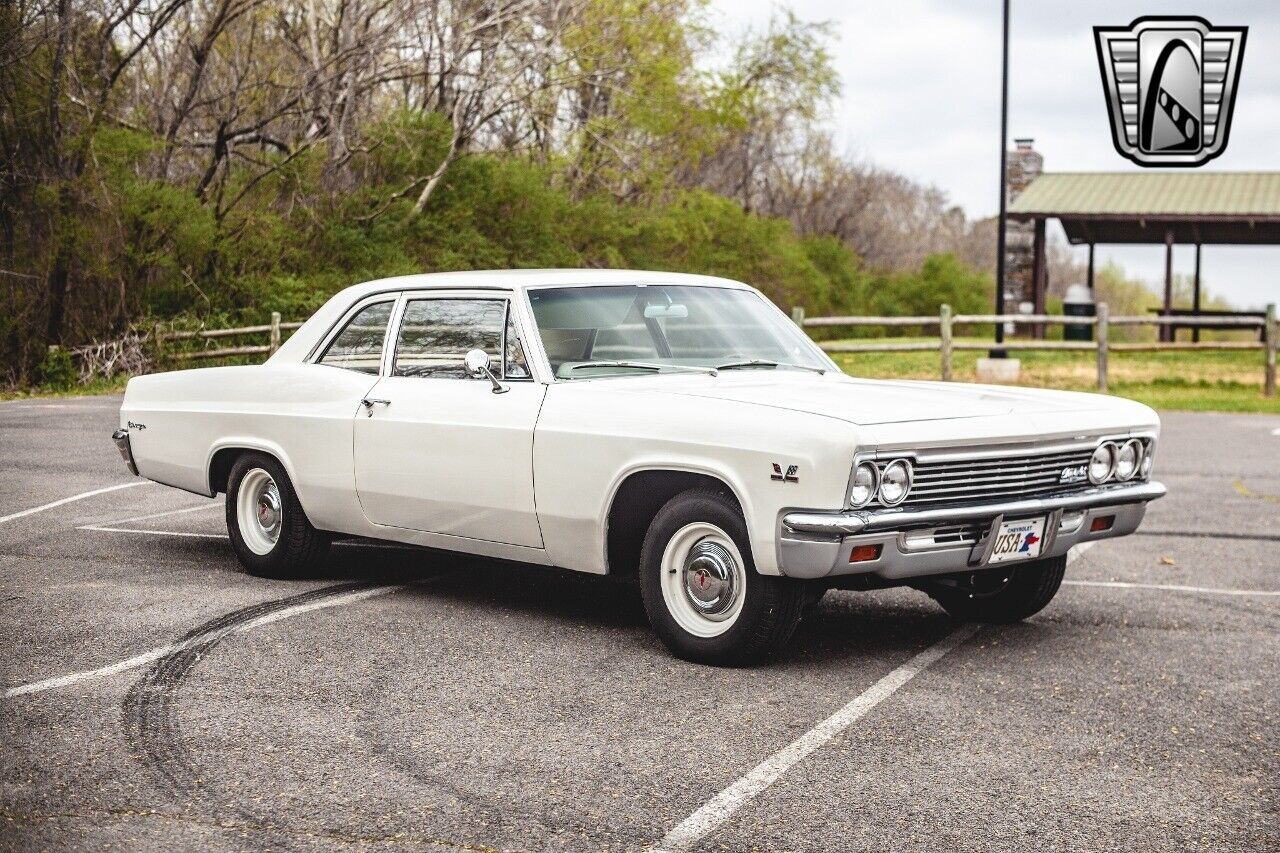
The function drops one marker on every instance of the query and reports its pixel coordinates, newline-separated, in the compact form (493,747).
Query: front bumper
(121,438)
(818,544)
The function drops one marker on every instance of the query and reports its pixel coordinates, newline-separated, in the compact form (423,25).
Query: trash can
(1078,303)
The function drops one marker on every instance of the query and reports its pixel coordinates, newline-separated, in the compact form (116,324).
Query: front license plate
(1018,540)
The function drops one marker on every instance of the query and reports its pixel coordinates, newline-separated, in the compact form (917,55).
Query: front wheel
(701,591)
(1001,595)
(269,531)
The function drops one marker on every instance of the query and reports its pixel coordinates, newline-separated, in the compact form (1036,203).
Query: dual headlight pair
(890,485)
(1119,462)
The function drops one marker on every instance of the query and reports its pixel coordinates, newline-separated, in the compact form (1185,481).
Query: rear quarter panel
(300,413)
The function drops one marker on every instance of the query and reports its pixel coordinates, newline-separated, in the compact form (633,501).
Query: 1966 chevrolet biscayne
(675,428)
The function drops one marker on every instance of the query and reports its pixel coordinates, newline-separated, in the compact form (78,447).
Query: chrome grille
(994,478)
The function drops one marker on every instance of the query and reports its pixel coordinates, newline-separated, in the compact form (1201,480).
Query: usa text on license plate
(1018,540)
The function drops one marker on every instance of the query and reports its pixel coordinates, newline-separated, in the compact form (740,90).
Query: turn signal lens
(865,553)
(1103,463)
(865,478)
(1102,522)
(1128,459)
(895,482)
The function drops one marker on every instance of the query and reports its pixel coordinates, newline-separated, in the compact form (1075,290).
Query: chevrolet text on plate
(674,428)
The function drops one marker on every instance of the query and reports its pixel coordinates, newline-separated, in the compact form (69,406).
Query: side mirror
(477,364)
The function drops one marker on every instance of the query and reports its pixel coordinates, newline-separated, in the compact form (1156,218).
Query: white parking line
(73,498)
(1175,587)
(165,514)
(1081,548)
(111,526)
(157,653)
(352,543)
(721,807)
(103,529)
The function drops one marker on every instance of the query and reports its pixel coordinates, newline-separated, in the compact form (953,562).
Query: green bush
(57,372)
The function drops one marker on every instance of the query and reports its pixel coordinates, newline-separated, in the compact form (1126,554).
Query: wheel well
(635,504)
(222,462)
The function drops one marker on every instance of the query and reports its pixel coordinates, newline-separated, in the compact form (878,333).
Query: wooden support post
(1039,278)
(1195,297)
(944,332)
(275,331)
(1272,330)
(1166,331)
(1101,337)
(1090,282)
(797,315)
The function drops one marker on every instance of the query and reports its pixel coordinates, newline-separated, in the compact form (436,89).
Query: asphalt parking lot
(158,697)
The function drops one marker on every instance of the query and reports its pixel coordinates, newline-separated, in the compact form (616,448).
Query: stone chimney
(1024,165)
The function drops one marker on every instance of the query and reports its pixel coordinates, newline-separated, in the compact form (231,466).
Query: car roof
(523,279)
(302,341)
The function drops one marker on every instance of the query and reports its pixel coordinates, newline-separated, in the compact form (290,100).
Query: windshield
(639,329)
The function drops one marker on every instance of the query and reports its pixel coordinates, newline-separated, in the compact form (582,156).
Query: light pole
(999,351)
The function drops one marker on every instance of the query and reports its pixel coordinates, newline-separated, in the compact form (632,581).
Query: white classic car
(674,428)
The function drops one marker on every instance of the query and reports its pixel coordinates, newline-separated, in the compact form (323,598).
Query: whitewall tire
(701,591)
(269,531)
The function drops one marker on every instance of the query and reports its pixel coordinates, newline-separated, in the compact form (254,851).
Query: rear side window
(436,334)
(359,345)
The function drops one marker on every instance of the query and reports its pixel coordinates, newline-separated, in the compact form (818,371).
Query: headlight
(865,479)
(895,482)
(1128,459)
(1147,458)
(1103,463)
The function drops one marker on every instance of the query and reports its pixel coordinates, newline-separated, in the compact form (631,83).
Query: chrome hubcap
(704,579)
(259,511)
(269,510)
(710,579)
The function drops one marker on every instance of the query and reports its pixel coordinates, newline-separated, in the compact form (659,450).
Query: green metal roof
(1154,194)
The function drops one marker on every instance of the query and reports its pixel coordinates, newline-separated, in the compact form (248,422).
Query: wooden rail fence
(1102,346)
(161,338)
(945,346)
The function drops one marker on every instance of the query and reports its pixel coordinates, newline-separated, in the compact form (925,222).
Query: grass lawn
(1187,381)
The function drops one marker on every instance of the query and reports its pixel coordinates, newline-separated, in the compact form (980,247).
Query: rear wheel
(1001,595)
(701,591)
(269,531)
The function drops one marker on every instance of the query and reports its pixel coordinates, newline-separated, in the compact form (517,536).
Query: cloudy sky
(921,83)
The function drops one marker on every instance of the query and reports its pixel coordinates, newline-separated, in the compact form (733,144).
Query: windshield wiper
(760,362)
(646,365)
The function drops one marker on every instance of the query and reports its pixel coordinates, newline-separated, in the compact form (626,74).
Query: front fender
(588,444)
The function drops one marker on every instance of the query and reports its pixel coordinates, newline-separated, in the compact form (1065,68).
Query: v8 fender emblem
(792,474)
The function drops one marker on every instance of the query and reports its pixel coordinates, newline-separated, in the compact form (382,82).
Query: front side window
(359,345)
(596,331)
(436,335)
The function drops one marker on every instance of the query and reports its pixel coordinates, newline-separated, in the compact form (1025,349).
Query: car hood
(867,402)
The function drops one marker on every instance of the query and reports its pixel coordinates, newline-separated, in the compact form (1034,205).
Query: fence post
(944,332)
(797,315)
(1101,337)
(157,340)
(1272,331)
(275,331)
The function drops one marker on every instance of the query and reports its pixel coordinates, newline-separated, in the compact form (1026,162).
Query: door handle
(370,402)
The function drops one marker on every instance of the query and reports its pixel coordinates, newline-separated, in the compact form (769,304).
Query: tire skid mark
(150,722)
